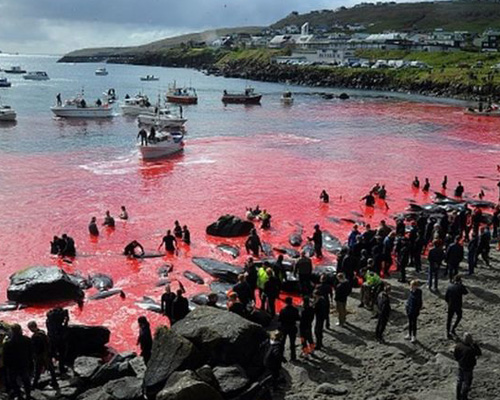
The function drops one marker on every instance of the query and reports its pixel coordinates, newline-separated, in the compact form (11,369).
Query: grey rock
(186,386)
(171,352)
(95,394)
(128,388)
(118,367)
(229,226)
(206,374)
(232,380)
(331,390)
(85,367)
(138,365)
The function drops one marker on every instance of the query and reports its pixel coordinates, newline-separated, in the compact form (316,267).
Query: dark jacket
(321,309)
(180,308)
(303,266)
(272,287)
(466,355)
(436,257)
(251,276)
(238,308)
(414,303)
(306,319)
(384,305)
(455,254)
(288,318)
(167,300)
(243,291)
(17,353)
(342,291)
(454,295)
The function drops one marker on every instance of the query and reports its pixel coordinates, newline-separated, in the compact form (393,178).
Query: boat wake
(199,161)
(119,166)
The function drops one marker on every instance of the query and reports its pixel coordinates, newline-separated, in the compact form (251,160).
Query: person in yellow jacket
(262,278)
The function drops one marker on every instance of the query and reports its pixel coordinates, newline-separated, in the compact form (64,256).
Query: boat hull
(134,111)
(9,71)
(101,73)
(287,101)
(36,78)
(87,112)
(182,99)
(155,151)
(5,84)
(8,116)
(161,123)
(237,99)
(150,79)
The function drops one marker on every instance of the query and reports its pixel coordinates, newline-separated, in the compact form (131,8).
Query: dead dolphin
(104,294)
(149,255)
(335,220)
(289,252)
(350,220)
(101,282)
(163,282)
(202,300)
(164,270)
(80,280)
(481,203)
(329,270)
(308,249)
(233,251)
(12,306)
(295,239)
(149,304)
(194,277)
(224,271)
(220,287)
(331,243)
(267,249)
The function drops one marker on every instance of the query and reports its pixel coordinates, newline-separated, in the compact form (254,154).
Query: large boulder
(225,338)
(84,367)
(232,380)
(224,271)
(41,284)
(171,352)
(86,340)
(116,368)
(230,226)
(128,388)
(187,385)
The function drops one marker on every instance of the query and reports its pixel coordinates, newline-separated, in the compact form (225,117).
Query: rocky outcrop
(86,340)
(226,272)
(230,226)
(232,380)
(171,352)
(41,284)
(188,386)
(224,338)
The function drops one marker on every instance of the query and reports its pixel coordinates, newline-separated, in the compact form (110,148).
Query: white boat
(101,71)
(16,69)
(165,144)
(287,98)
(137,105)
(78,108)
(7,113)
(149,78)
(162,119)
(36,76)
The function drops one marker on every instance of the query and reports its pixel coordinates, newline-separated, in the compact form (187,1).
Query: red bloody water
(276,167)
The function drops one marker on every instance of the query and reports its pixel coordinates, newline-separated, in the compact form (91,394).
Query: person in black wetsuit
(93,229)
(41,355)
(305,327)
(272,291)
(145,340)
(445,182)
(180,306)
(317,238)
(459,190)
(325,288)
(144,137)
(109,221)
(253,243)
(57,324)
(454,256)
(288,318)
(320,314)
(369,200)
(416,183)
(69,249)
(167,300)
(169,241)
(55,245)
(152,135)
(124,213)
(186,235)
(324,196)
(251,275)
(129,249)
(243,290)
(427,185)
(177,230)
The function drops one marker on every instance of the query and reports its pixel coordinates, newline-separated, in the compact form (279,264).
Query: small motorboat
(77,107)
(490,111)
(16,69)
(186,95)
(164,144)
(148,78)
(102,71)
(4,82)
(7,113)
(139,104)
(248,97)
(287,98)
(36,76)
(162,119)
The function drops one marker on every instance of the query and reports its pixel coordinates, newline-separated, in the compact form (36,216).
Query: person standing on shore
(454,256)
(167,300)
(325,288)
(41,355)
(466,354)
(18,357)
(145,340)
(342,291)
(305,327)
(320,314)
(473,247)
(435,258)
(303,268)
(413,306)
(384,312)
(288,318)
(453,297)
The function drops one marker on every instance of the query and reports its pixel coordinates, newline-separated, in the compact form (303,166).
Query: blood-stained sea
(55,175)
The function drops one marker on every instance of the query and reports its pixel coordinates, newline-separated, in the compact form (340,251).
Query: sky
(60,26)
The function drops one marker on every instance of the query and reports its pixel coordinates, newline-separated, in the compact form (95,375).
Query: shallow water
(55,175)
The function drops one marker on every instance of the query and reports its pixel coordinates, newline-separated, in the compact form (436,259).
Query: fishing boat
(110,96)
(164,145)
(149,78)
(4,82)
(16,69)
(186,95)
(287,98)
(36,76)
(139,104)
(77,107)
(7,113)
(102,71)
(248,97)
(490,111)
(162,119)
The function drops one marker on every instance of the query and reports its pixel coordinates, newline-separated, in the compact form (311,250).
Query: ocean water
(56,174)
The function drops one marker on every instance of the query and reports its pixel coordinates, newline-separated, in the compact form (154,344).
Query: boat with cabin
(163,145)
(15,69)
(492,110)
(102,71)
(287,98)
(186,95)
(77,107)
(163,118)
(248,97)
(139,104)
(7,113)
(4,82)
(36,76)
(149,78)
